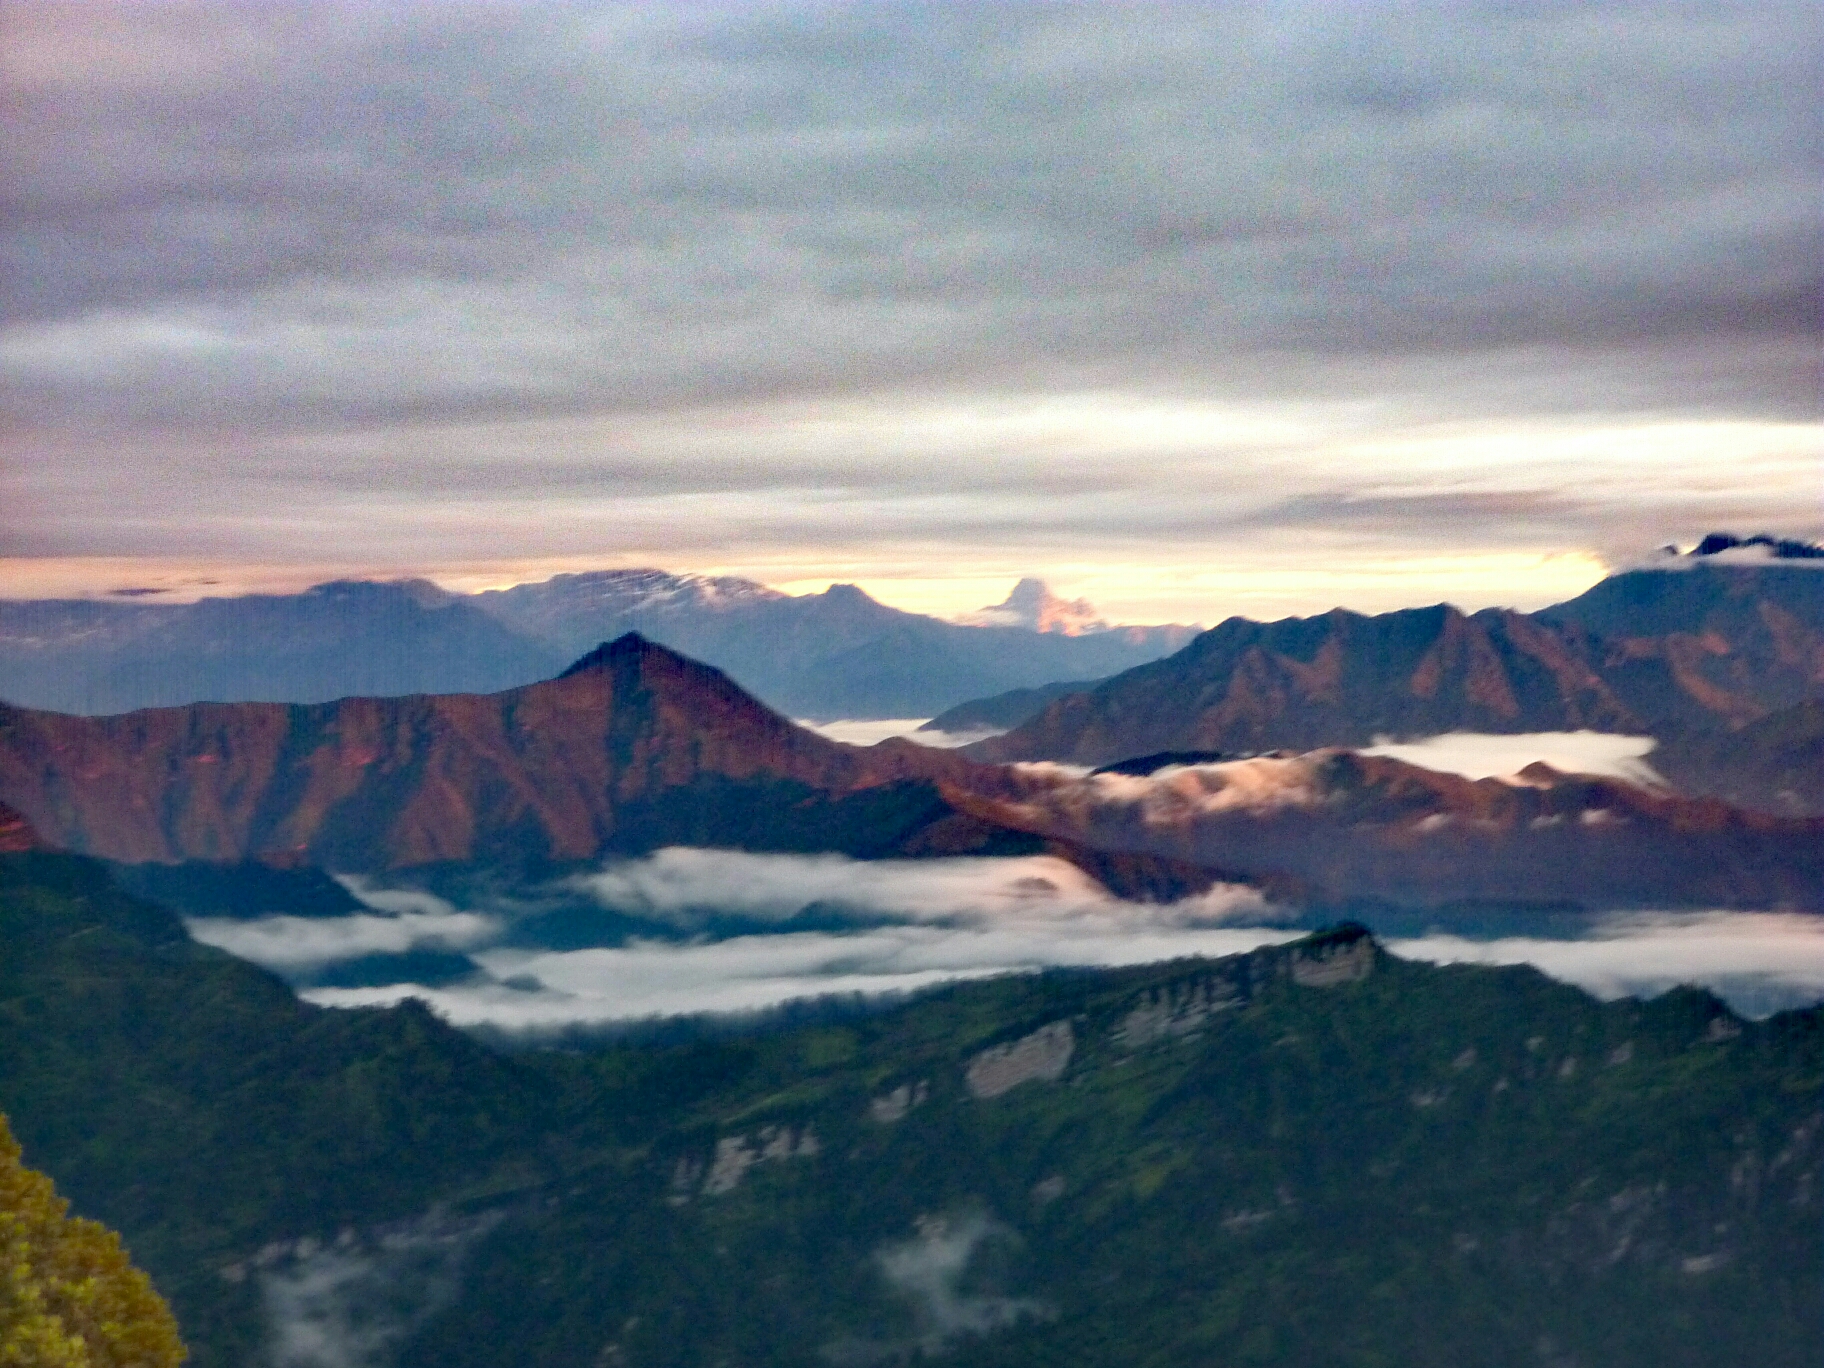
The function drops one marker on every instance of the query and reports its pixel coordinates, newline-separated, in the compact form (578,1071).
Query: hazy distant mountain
(822,656)
(1005,710)
(1032,605)
(335,640)
(1711,644)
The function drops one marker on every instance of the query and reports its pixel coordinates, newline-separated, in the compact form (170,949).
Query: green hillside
(1307,1155)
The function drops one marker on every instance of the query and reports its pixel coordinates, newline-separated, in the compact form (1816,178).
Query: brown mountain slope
(16,834)
(1707,644)
(636,747)
(1337,680)
(1668,652)
(633,746)
(1773,764)
(1341,825)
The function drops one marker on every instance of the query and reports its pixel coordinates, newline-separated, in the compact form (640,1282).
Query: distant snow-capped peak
(633,590)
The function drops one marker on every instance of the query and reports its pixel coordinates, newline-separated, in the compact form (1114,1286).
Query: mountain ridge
(825,656)
(375,782)
(1716,646)
(1327,1152)
(636,747)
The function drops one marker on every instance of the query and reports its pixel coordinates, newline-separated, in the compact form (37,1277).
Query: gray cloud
(927,1272)
(350,1303)
(557,257)
(570,205)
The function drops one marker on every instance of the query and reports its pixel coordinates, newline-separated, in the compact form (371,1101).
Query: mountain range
(838,654)
(636,747)
(1314,1154)
(1706,648)
(1330,826)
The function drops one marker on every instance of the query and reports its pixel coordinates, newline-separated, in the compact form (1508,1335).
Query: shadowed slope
(1340,679)
(1339,825)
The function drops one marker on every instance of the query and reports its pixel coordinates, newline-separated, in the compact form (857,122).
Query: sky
(1189,309)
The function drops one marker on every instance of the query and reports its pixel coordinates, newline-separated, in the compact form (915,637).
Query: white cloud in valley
(872,731)
(1481,756)
(1758,960)
(914,924)
(294,944)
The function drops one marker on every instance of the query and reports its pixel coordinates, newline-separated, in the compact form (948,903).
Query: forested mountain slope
(1307,1155)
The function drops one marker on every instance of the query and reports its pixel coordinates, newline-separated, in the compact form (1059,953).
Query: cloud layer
(1759,961)
(1481,756)
(1012,287)
(900,926)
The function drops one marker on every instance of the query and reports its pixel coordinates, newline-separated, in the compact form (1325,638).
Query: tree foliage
(69,1295)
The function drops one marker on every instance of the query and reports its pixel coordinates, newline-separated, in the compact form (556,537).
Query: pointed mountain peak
(1032,605)
(629,646)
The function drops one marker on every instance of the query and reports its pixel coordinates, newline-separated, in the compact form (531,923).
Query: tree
(69,1295)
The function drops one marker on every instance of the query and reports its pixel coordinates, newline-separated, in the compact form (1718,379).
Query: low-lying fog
(690,931)
(1480,755)
(873,730)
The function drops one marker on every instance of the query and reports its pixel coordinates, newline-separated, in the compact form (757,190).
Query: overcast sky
(1192,309)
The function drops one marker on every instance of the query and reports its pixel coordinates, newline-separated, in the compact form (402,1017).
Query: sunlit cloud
(1481,756)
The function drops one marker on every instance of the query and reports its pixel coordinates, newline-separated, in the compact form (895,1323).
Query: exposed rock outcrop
(1040,1057)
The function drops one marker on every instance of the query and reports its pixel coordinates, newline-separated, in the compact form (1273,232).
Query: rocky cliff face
(633,746)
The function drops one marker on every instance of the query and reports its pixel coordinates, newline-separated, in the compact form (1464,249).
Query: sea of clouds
(899,926)
(1479,755)
(871,731)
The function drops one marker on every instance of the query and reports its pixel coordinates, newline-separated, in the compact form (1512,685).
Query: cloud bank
(347,1304)
(927,1273)
(1759,961)
(901,926)
(1126,296)
(871,732)
(289,945)
(680,884)
(1479,756)
(914,924)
